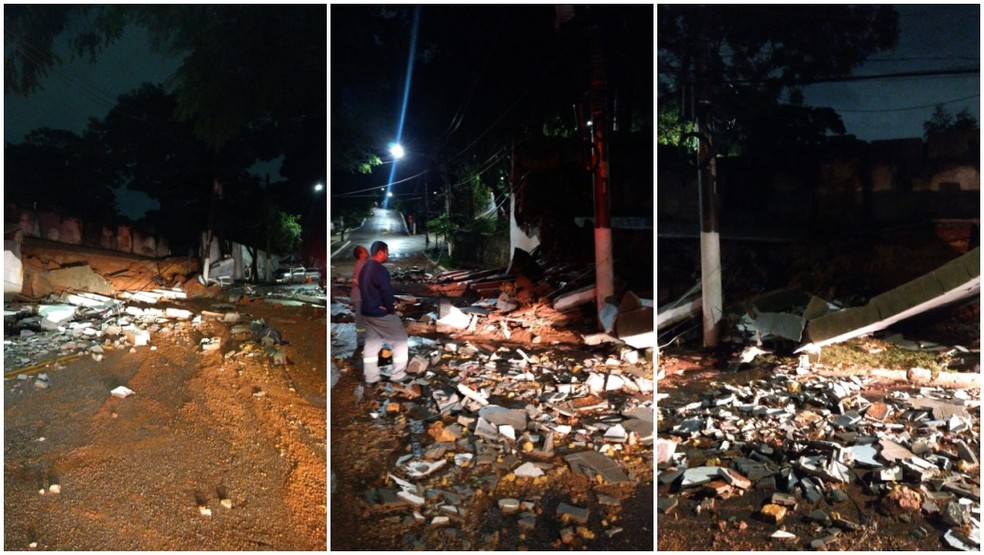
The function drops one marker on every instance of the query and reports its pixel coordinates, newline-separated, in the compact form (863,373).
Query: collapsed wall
(53,267)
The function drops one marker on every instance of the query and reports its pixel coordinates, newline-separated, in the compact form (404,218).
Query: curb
(347,243)
(919,376)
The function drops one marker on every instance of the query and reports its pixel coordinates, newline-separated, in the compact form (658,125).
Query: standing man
(381,320)
(361,256)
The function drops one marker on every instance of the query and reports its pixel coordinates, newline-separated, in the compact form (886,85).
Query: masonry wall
(72,230)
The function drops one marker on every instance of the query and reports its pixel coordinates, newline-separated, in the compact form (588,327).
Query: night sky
(81,88)
(480,74)
(931,37)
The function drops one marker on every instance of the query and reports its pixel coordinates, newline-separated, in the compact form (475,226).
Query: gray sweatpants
(379,330)
(360,323)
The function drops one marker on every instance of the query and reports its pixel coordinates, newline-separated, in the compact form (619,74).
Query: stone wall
(491,251)
(124,237)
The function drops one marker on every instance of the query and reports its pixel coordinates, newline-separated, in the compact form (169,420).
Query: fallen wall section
(956,281)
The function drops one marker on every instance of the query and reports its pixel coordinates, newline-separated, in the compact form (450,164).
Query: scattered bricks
(836,496)
(784,499)
(567,513)
(878,411)
(959,541)
(734,478)
(901,500)
(773,513)
(845,524)
(768,483)
(707,504)
(782,535)
(718,488)
(439,433)
(956,514)
(890,474)
(385,500)
(509,506)
(824,543)
(608,500)
(892,451)
(819,516)
(666,504)
(137,337)
(967,454)
(278,357)
(411,498)
(528,470)
(417,365)
(812,494)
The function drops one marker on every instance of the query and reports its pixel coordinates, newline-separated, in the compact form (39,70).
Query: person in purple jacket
(381,320)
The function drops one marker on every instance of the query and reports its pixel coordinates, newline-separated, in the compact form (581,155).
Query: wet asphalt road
(384,225)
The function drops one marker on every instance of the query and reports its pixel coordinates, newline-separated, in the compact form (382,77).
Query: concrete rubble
(484,421)
(814,441)
(53,330)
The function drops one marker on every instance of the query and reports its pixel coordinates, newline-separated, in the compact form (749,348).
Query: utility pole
(604,267)
(710,242)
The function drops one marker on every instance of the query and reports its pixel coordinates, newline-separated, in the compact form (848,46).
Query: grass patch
(875,353)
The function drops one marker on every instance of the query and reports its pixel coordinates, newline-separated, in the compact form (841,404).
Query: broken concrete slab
(634,325)
(955,281)
(966,453)
(779,325)
(77,278)
(699,475)
(567,513)
(666,504)
(501,416)
(575,299)
(455,318)
(941,410)
(892,451)
(385,500)
(593,463)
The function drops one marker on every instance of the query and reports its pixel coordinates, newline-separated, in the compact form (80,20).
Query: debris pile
(815,442)
(489,429)
(70,325)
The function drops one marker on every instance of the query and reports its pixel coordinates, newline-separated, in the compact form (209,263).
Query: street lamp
(389,194)
(396,150)
(318,187)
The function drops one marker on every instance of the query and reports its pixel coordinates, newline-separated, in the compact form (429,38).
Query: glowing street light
(389,194)
(318,187)
(396,150)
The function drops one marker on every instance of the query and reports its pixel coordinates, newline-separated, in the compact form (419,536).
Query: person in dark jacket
(381,320)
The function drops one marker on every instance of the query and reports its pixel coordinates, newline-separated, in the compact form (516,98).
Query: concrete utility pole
(604,267)
(710,242)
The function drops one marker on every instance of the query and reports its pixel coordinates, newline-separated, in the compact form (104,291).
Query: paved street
(384,225)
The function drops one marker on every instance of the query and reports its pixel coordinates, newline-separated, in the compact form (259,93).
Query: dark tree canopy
(243,65)
(943,121)
(251,86)
(751,61)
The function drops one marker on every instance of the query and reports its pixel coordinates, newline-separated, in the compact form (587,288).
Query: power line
(910,107)
(374,187)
